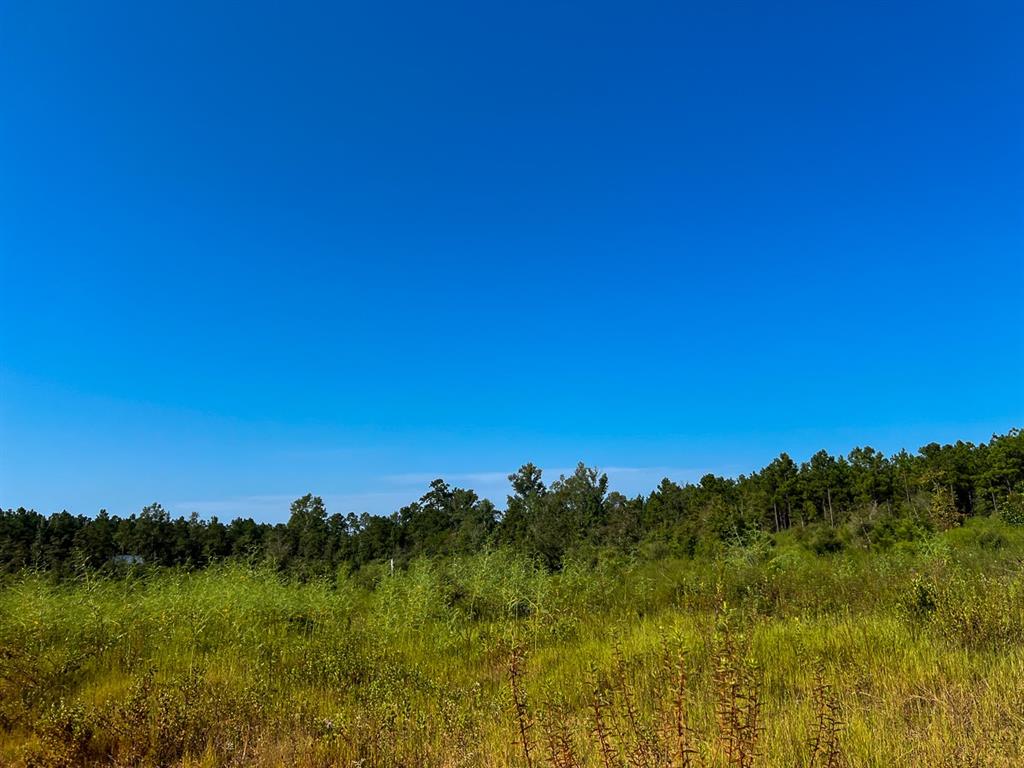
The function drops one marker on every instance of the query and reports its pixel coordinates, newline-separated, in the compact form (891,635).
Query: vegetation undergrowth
(767,654)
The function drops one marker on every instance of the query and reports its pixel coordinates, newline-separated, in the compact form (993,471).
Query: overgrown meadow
(770,655)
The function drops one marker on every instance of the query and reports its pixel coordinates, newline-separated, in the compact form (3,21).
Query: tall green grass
(912,658)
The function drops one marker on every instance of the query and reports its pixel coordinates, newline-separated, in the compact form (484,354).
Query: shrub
(1012,510)
(825,540)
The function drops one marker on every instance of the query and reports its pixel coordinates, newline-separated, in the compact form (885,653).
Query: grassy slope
(922,653)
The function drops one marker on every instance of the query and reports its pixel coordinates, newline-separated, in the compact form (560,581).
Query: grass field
(766,656)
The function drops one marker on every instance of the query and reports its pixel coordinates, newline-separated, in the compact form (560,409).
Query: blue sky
(250,251)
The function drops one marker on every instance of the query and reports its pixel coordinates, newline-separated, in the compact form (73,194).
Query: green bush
(825,540)
(1012,509)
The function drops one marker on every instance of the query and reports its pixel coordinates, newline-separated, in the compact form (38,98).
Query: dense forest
(865,499)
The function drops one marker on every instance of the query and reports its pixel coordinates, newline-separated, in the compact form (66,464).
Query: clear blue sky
(253,250)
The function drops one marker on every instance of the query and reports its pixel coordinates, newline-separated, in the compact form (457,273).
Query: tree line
(864,499)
